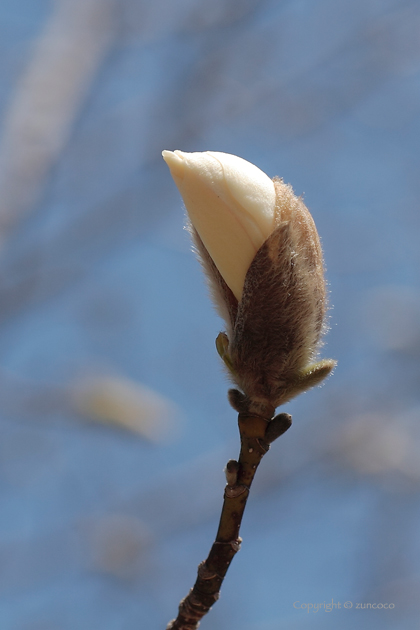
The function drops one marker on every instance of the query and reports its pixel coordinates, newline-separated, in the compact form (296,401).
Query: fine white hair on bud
(261,252)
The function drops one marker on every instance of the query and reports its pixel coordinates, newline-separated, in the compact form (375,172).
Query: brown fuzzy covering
(275,331)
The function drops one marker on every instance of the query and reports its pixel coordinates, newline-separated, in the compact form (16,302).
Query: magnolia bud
(261,252)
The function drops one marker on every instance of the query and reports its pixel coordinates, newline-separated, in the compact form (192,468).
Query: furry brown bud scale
(274,332)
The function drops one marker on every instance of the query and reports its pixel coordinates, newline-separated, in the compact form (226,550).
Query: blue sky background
(104,312)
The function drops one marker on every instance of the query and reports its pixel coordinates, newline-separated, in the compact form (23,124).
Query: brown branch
(256,435)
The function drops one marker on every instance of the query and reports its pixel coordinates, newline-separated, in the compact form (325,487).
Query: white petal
(231,205)
(251,188)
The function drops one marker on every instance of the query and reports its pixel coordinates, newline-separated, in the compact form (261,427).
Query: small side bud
(277,426)
(308,377)
(222,347)
(231,472)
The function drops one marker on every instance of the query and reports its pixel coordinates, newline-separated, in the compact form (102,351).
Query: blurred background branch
(47,99)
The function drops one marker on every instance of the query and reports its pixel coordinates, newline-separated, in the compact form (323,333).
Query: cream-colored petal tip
(175,162)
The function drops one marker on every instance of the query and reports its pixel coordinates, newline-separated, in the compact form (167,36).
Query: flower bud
(261,252)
